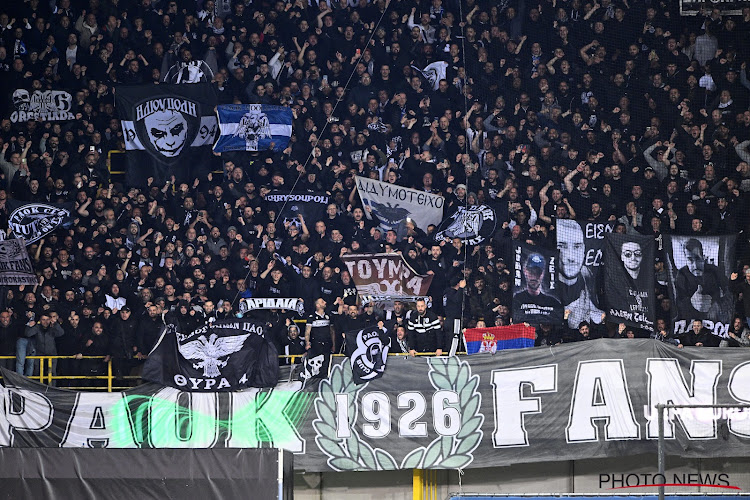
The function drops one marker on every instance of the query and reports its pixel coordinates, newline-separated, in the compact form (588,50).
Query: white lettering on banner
(364,270)
(166,104)
(304,198)
(408,425)
(399,193)
(445,416)
(740,390)
(248,412)
(716,327)
(595,230)
(667,385)
(89,426)
(600,393)
(510,404)
(172,415)
(26,411)
(376,410)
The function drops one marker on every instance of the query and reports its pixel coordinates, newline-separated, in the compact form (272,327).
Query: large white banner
(393,205)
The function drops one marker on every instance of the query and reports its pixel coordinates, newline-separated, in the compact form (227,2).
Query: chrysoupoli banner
(699,268)
(580,244)
(310,205)
(393,205)
(569,402)
(629,279)
(253,127)
(166,127)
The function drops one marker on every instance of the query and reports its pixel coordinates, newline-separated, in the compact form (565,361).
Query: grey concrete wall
(582,476)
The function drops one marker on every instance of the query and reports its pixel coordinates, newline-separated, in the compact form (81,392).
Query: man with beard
(320,336)
(149,330)
(577,287)
(424,332)
(349,320)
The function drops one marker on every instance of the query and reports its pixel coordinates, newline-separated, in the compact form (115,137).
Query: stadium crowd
(596,110)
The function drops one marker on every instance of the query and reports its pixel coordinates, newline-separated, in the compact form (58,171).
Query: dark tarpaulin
(67,473)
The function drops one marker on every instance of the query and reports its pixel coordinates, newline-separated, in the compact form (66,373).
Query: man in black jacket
(122,345)
(9,332)
(149,329)
(424,331)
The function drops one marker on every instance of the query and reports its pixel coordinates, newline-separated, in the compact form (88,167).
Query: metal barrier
(45,375)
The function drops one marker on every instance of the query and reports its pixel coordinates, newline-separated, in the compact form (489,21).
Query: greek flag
(253,127)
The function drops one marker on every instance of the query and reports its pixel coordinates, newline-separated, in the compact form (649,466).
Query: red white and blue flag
(499,338)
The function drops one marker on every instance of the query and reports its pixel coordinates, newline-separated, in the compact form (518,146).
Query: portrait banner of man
(580,245)
(629,279)
(535,289)
(699,270)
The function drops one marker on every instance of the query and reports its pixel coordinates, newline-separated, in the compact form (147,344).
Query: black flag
(169,130)
(224,355)
(629,279)
(310,205)
(311,368)
(367,350)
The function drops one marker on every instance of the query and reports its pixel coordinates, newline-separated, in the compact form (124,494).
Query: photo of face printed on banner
(699,281)
(535,296)
(580,246)
(629,279)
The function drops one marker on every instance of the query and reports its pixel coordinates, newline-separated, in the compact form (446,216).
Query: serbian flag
(498,338)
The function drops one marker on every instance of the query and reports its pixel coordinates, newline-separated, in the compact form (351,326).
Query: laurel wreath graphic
(445,452)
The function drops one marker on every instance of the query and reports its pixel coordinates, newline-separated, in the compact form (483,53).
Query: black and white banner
(33,221)
(472,225)
(15,264)
(48,106)
(254,303)
(315,367)
(699,270)
(166,127)
(578,401)
(629,284)
(535,289)
(394,205)
(189,72)
(433,73)
(580,244)
(367,350)
(224,355)
(288,206)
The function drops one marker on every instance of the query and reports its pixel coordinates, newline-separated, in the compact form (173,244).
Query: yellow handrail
(46,376)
